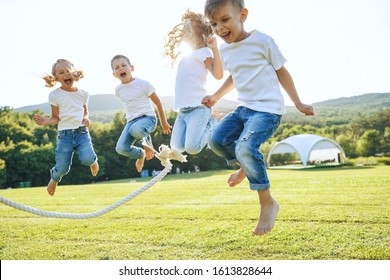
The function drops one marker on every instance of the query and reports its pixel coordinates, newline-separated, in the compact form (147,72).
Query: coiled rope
(165,154)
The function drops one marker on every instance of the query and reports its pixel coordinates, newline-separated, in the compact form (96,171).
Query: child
(137,96)
(256,69)
(194,121)
(68,110)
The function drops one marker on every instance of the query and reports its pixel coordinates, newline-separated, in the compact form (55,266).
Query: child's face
(63,75)
(228,23)
(122,70)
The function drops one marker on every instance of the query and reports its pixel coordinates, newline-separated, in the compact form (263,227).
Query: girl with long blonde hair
(194,121)
(70,112)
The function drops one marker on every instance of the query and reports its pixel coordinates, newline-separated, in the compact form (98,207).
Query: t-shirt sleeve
(52,99)
(86,97)
(224,66)
(149,89)
(205,53)
(117,92)
(274,55)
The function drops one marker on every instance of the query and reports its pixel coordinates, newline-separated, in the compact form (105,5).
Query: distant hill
(367,101)
(108,102)
(341,110)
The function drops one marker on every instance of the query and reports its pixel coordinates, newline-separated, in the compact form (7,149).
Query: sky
(333,48)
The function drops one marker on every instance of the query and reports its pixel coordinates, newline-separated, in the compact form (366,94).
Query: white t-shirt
(135,98)
(252,63)
(70,107)
(191,79)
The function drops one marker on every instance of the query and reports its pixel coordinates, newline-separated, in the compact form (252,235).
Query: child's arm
(214,64)
(161,113)
(210,100)
(287,83)
(41,120)
(86,121)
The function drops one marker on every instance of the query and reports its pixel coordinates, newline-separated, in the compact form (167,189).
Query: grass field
(325,214)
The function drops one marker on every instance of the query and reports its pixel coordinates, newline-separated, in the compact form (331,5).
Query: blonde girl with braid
(69,111)
(194,121)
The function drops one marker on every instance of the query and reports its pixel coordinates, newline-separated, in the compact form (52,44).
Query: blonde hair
(202,30)
(50,79)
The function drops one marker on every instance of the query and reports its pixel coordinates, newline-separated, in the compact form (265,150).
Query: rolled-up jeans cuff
(259,187)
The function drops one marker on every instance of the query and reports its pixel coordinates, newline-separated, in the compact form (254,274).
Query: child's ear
(132,68)
(244,14)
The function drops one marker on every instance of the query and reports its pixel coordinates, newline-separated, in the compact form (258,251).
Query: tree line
(27,151)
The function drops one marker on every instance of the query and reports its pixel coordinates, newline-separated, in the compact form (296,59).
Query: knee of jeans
(243,150)
(215,141)
(120,150)
(138,132)
(192,150)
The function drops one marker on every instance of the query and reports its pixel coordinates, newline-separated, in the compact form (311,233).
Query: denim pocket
(60,134)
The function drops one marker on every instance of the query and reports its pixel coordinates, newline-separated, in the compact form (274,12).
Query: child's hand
(166,128)
(40,120)
(209,101)
(306,109)
(208,62)
(211,42)
(86,122)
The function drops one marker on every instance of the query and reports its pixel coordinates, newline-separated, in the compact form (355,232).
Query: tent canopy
(309,147)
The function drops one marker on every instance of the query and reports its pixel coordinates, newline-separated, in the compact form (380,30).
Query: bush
(366,161)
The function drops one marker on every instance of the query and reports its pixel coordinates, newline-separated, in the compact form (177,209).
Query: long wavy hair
(201,29)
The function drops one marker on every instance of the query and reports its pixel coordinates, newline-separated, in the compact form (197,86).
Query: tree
(3,173)
(348,144)
(370,143)
(386,141)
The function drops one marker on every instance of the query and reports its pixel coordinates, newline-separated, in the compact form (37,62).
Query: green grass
(325,214)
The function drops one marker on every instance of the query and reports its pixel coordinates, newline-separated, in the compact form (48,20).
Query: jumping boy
(256,68)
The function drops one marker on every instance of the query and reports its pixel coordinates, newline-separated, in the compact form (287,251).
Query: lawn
(325,214)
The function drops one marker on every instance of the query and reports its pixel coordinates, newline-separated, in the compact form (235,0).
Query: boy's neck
(128,81)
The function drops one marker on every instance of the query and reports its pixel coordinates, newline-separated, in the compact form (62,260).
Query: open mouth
(123,75)
(68,81)
(226,36)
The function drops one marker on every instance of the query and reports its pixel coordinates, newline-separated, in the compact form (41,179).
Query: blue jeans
(135,130)
(192,128)
(238,137)
(68,141)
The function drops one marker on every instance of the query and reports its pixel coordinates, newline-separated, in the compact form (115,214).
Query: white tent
(311,149)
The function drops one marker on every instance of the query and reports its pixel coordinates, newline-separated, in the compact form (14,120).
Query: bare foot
(236,177)
(94,168)
(267,218)
(217,115)
(51,187)
(139,164)
(149,152)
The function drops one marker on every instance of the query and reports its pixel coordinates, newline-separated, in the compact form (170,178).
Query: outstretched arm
(41,120)
(287,83)
(161,113)
(210,100)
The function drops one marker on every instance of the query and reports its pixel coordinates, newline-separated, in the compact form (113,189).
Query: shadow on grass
(324,168)
(170,177)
